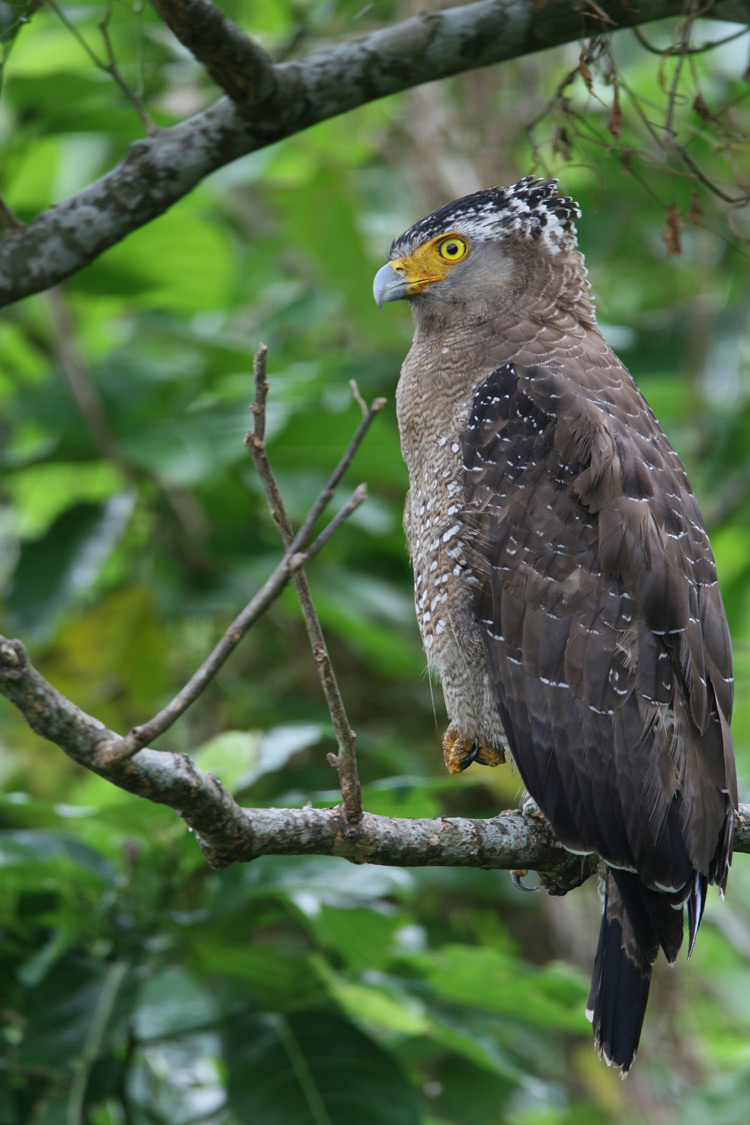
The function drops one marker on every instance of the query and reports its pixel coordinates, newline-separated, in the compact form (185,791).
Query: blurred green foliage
(139,988)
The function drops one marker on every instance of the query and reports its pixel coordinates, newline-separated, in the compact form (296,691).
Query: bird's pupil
(451,248)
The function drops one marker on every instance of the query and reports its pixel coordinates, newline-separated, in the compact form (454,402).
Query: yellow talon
(460,750)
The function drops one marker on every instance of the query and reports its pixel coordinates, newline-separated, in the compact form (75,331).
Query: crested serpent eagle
(564,583)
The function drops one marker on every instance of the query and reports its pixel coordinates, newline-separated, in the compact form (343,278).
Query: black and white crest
(530,209)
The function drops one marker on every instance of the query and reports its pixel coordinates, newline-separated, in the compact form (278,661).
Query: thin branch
(358,497)
(236,63)
(346,759)
(110,67)
(671,48)
(162,168)
(228,834)
(358,397)
(82,388)
(138,737)
(290,567)
(687,160)
(327,494)
(681,51)
(8,220)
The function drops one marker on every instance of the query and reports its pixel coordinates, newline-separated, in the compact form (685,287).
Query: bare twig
(8,220)
(147,732)
(358,397)
(681,52)
(330,488)
(236,63)
(82,388)
(671,48)
(227,833)
(110,66)
(358,497)
(711,185)
(290,567)
(346,760)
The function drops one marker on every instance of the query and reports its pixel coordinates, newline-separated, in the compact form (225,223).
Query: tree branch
(235,62)
(160,169)
(290,567)
(228,833)
(346,759)
(109,67)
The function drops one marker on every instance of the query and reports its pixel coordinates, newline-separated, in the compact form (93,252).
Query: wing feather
(603,621)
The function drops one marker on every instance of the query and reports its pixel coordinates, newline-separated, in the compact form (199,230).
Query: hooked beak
(390,286)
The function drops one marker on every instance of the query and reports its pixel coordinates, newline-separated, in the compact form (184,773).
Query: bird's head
(483,251)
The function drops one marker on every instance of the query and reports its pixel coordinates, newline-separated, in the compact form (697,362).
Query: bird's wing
(602,618)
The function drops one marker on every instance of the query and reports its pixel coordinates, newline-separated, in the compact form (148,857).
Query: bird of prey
(564,583)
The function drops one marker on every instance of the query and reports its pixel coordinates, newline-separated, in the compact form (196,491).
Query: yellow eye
(453,248)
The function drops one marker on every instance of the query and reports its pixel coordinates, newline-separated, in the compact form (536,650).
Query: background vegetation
(138,987)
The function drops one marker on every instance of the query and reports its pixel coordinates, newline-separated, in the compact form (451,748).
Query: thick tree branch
(235,62)
(162,168)
(228,833)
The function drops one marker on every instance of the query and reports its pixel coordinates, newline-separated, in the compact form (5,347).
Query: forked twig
(109,67)
(346,759)
(296,557)
(236,62)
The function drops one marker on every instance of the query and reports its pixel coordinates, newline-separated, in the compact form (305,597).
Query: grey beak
(388,286)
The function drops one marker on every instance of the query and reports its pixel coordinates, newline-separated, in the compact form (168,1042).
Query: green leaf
(38,850)
(363,938)
(723,1100)
(186,274)
(487,978)
(312,1068)
(174,1082)
(81,1005)
(42,492)
(271,976)
(240,758)
(172,1003)
(54,569)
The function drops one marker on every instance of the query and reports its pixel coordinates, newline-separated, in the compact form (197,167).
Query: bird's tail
(635,923)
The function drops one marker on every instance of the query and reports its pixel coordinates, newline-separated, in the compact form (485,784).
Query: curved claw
(516,878)
(470,757)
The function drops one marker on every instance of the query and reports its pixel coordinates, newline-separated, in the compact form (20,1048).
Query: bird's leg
(460,750)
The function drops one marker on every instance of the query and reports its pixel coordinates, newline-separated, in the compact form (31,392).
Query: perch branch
(228,833)
(346,759)
(161,168)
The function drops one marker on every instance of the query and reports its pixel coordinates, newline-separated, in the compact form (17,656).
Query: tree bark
(276,101)
(228,833)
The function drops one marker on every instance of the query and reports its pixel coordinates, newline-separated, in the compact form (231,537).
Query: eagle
(565,587)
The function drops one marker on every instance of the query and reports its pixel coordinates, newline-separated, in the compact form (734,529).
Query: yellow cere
(431,262)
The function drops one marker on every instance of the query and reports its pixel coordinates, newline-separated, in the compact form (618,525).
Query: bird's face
(449,269)
(428,263)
